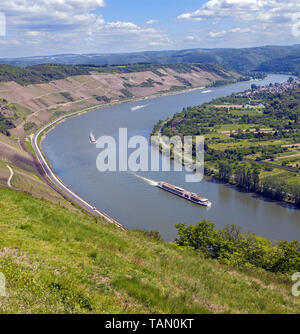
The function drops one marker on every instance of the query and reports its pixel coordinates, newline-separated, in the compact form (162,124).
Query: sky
(47,27)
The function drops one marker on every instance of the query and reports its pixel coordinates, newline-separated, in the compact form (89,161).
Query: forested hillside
(245,60)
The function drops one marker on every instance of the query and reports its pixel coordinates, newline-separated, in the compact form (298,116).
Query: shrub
(231,247)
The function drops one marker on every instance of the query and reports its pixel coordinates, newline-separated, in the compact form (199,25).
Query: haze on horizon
(45,27)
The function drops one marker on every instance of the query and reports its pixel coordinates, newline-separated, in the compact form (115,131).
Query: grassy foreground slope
(58,261)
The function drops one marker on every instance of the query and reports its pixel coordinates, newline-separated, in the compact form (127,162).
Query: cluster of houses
(253,104)
(276,88)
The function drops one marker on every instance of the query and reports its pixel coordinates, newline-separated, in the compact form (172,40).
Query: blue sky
(44,27)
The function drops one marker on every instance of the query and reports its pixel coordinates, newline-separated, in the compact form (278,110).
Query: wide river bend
(132,199)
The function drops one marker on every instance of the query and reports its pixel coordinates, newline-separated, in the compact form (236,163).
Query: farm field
(252,146)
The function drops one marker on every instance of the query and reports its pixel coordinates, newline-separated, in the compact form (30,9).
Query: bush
(29,126)
(233,248)
(155,235)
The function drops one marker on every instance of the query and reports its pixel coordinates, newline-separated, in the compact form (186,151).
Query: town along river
(132,199)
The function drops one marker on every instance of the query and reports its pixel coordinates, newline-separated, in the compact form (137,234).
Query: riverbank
(47,128)
(214,173)
(125,101)
(253,146)
(39,136)
(73,158)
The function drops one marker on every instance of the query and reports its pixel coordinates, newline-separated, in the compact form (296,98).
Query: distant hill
(38,73)
(245,60)
(289,64)
(32,95)
(52,71)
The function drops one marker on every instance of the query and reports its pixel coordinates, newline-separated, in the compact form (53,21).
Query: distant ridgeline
(47,72)
(284,59)
(38,73)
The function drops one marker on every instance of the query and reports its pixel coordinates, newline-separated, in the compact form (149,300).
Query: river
(132,199)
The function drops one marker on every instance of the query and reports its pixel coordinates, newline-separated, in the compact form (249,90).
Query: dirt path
(290,169)
(289,156)
(11,176)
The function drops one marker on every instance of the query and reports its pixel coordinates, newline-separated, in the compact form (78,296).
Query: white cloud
(284,13)
(155,43)
(34,33)
(56,26)
(219,8)
(50,13)
(214,9)
(222,33)
(296,25)
(261,10)
(152,22)
(9,42)
(190,38)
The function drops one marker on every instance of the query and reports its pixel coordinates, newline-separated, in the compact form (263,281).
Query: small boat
(92,139)
(184,194)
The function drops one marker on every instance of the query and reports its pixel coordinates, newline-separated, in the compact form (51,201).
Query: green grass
(228,127)
(39,73)
(241,112)
(58,261)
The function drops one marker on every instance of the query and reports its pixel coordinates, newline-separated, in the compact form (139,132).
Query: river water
(132,199)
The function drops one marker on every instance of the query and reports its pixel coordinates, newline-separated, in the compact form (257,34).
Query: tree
(255,179)
(225,170)
(201,237)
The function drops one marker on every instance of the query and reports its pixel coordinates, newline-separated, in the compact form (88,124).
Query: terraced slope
(25,178)
(34,96)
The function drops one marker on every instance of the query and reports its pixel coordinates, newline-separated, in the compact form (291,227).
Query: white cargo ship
(184,194)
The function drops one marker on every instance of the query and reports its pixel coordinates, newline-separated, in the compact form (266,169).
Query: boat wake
(206,91)
(139,107)
(145,179)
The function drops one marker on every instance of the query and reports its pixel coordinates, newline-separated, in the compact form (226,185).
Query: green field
(249,147)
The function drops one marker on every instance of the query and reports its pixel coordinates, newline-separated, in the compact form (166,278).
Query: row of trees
(247,175)
(242,174)
(5,125)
